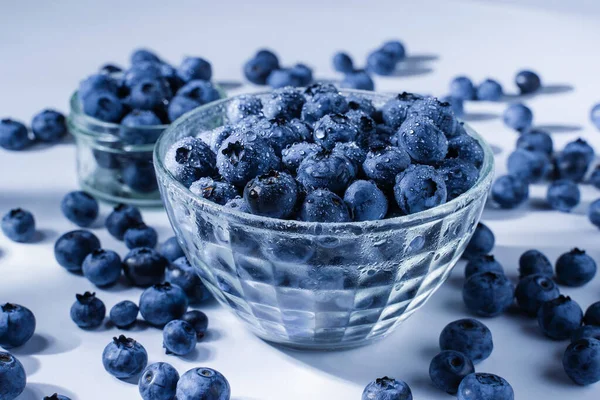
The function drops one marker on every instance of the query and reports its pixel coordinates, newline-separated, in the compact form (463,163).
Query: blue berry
(530,166)
(334,128)
(140,235)
(201,91)
(179,337)
(121,218)
(384,164)
(124,314)
(284,103)
(242,107)
(281,78)
(258,68)
(278,133)
(592,314)
(440,113)
(595,115)
(533,290)
(466,148)
(124,358)
(528,81)
(462,88)
(509,191)
(594,213)
(595,177)
(342,62)
(18,225)
(359,80)
(149,94)
(56,396)
(482,242)
(582,361)
(239,160)
(162,303)
(190,159)
(144,266)
(364,123)
(203,383)
(483,263)
(97,83)
(560,317)
(104,106)
(239,204)
(365,201)
(134,125)
(272,195)
(180,105)
(457,105)
(419,188)
(323,103)
(141,55)
(192,68)
(381,62)
(169,73)
(102,267)
(72,247)
(482,386)
(321,205)
(468,336)
(182,274)
(573,162)
(293,155)
(79,208)
(198,320)
(17,325)
(387,389)
(459,176)
(303,74)
(158,382)
(49,126)
(13,135)
(170,249)
(395,48)
(88,311)
(518,117)
(536,140)
(448,368)
(12,376)
(144,70)
(534,262)
(352,152)
(139,175)
(422,140)
(489,90)
(326,171)
(575,268)
(215,191)
(563,195)
(395,110)
(488,294)
(586,331)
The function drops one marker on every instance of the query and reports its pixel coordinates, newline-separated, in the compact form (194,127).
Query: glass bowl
(314,285)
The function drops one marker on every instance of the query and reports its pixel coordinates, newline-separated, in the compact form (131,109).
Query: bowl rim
(485,178)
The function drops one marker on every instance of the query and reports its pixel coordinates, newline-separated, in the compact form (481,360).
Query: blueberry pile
(320,156)
(48,126)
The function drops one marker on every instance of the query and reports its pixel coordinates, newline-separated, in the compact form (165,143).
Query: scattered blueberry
(395,48)
(158,382)
(387,389)
(582,361)
(462,88)
(179,337)
(595,177)
(483,263)
(198,320)
(509,191)
(303,74)
(18,225)
(203,383)
(359,80)
(448,368)
(124,357)
(12,376)
(534,262)
(592,314)
(321,205)
(530,166)
(489,90)
(182,274)
(383,165)
(79,208)
(124,314)
(488,294)
(122,218)
(71,248)
(140,235)
(342,62)
(595,115)
(563,195)
(88,311)
(13,135)
(17,325)
(281,78)
(575,268)
(482,386)
(49,126)
(419,188)
(194,68)
(560,317)
(190,159)
(162,303)
(258,68)
(574,161)
(482,242)
(594,213)
(102,267)
(457,105)
(144,266)
(533,290)
(586,331)
(536,140)
(528,81)
(518,117)
(365,201)
(469,337)
(381,62)
(170,249)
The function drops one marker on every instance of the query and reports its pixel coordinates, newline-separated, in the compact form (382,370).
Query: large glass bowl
(316,285)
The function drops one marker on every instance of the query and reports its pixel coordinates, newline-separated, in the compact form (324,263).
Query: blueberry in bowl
(298,254)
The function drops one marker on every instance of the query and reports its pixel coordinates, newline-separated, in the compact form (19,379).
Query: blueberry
(422,140)
(12,376)
(258,68)
(488,294)
(482,242)
(79,208)
(303,73)
(203,383)
(528,81)
(353,152)
(278,133)
(104,106)
(334,128)
(468,336)
(56,396)
(595,177)
(49,126)
(139,176)
(358,102)
(592,314)
(459,176)
(462,88)
(18,225)
(321,205)
(518,117)
(387,389)
(466,148)
(594,213)
(281,78)
(124,314)
(144,70)
(144,266)
(239,204)
(272,195)
(102,267)
(323,103)
(239,160)
(536,140)
(365,201)
(134,127)
(395,48)
(573,162)
(162,303)
(13,135)
(419,188)
(575,268)
(595,115)
(124,358)
(190,159)
(293,155)
(198,320)
(149,94)
(367,128)
(395,110)
(140,235)
(483,263)
(342,62)
(88,311)
(509,191)
(448,368)
(534,262)
(456,105)
(170,249)
(71,248)
(122,218)
(586,331)
(201,91)
(182,274)
(360,80)
(179,337)
(440,113)
(489,90)
(381,62)
(158,382)
(325,171)
(533,290)
(385,164)
(97,83)
(106,159)
(560,317)
(530,166)
(17,325)
(563,195)
(192,68)
(582,361)
(215,191)
(169,73)
(180,105)
(242,107)
(284,103)
(141,55)
(481,385)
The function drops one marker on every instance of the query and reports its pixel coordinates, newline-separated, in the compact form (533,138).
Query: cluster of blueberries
(48,126)
(320,156)
(264,69)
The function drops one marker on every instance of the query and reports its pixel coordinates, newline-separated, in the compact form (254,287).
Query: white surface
(47,48)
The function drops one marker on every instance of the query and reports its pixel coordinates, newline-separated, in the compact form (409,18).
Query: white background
(47,47)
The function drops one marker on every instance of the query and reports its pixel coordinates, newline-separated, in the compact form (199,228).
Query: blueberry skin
(509,191)
(479,386)
(303,73)
(12,376)
(144,266)
(132,127)
(563,195)
(141,55)
(278,133)
(489,90)
(124,358)
(536,140)
(518,117)
(365,201)
(201,91)
(144,70)
(258,68)
(97,83)
(468,336)
(104,106)
(272,195)
(534,262)
(281,78)
(381,63)
(323,103)
(80,208)
(242,107)
(162,303)
(387,389)
(293,155)
(364,123)
(457,105)
(179,337)
(332,129)
(17,325)
(488,294)
(239,160)
(581,361)
(158,382)
(482,242)
(459,176)
(359,80)
(448,368)
(574,161)
(170,249)
(215,191)
(198,320)
(102,267)
(140,235)
(462,88)
(121,218)
(528,81)
(88,311)
(483,263)
(190,159)
(466,148)
(595,115)
(180,105)
(149,94)
(595,177)
(353,152)
(560,317)
(284,103)
(383,165)
(124,314)
(321,205)
(325,171)
(530,166)
(342,62)
(419,188)
(440,113)
(422,140)
(239,204)
(586,331)
(395,110)
(575,268)
(395,48)
(49,126)
(594,213)
(182,274)
(203,383)
(72,247)
(13,135)
(533,290)
(18,225)
(194,68)
(592,314)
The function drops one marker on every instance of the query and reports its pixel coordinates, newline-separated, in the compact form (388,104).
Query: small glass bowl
(314,285)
